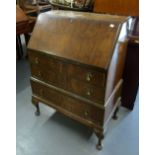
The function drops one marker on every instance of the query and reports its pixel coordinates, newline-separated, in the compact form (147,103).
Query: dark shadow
(62,120)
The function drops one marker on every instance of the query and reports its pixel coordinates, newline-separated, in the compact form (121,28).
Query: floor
(51,133)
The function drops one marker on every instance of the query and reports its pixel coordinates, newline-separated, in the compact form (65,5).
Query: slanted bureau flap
(86,38)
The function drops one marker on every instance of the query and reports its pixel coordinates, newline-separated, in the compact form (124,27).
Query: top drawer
(86,75)
(44,61)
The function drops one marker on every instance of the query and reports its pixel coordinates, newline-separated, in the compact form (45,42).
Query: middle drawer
(86,90)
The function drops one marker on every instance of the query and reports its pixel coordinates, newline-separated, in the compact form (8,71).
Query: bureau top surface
(85,38)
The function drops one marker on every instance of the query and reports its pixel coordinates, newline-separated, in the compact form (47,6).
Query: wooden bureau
(76,64)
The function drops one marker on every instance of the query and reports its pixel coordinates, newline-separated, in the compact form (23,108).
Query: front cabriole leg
(100,136)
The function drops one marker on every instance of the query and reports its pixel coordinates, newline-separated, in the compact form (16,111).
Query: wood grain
(71,32)
(117,7)
(76,64)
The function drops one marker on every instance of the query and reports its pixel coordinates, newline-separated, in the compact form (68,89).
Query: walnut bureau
(76,62)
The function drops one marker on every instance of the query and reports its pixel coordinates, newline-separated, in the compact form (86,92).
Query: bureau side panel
(114,79)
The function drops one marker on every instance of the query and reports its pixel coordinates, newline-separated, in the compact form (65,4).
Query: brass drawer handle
(36,60)
(88,93)
(39,73)
(89,76)
(86,113)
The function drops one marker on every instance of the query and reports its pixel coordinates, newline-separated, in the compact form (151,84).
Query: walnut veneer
(76,64)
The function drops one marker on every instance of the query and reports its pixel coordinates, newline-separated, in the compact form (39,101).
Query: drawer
(45,93)
(49,76)
(83,110)
(84,74)
(67,103)
(86,90)
(45,61)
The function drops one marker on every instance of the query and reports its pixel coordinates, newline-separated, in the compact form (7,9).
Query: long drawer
(68,103)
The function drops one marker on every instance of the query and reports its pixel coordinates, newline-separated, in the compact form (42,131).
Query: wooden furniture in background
(131,75)
(74,5)
(24,25)
(33,8)
(118,7)
(21,21)
(131,69)
(76,64)
(21,24)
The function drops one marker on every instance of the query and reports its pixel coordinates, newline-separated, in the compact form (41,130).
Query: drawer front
(86,90)
(49,76)
(46,93)
(84,110)
(68,103)
(89,76)
(46,62)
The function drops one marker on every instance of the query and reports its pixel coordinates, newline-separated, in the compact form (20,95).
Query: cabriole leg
(37,113)
(36,104)
(100,137)
(115,117)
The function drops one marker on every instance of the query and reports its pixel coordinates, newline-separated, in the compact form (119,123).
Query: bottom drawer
(68,103)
